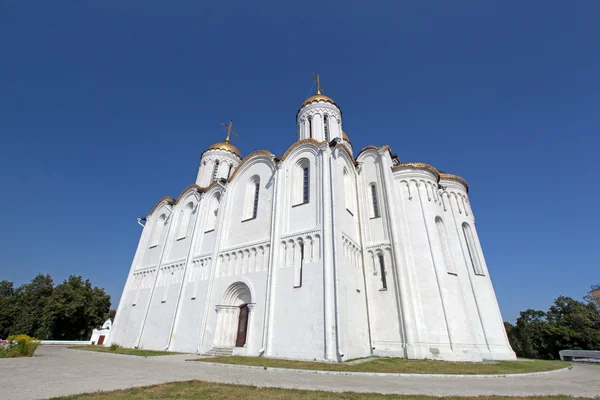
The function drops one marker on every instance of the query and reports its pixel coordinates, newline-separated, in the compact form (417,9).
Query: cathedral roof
(227,147)
(345,137)
(318,97)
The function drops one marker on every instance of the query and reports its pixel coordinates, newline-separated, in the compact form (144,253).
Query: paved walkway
(57,371)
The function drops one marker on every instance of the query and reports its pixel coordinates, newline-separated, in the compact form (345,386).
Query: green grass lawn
(208,390)
(123,350)
(401,365)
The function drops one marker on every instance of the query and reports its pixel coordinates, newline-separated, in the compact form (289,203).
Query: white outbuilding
(315,255)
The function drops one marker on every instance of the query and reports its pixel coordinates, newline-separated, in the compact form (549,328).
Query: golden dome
(345,137)
(227,147)
(318,97)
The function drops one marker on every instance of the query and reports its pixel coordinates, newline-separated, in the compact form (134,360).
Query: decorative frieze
(244,260)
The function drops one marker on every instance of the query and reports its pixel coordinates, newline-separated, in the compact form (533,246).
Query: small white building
(314,255)
(101,336)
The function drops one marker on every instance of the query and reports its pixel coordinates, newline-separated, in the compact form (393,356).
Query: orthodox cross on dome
(317,79)
(229,130)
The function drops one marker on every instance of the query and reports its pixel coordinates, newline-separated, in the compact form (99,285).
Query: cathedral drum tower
(314,255)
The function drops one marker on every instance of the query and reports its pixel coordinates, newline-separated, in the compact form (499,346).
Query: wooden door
(101,339)
(242,326)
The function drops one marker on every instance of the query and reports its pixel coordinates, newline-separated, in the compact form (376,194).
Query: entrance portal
(242,326)
(233,317)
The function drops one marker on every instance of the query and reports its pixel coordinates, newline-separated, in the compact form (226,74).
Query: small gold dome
(318,97)
(345,137)
(227,147)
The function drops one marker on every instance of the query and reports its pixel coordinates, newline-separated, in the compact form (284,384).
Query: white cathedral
(315,255)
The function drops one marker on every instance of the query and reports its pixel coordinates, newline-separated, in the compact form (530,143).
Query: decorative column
(251,307)
(317,127)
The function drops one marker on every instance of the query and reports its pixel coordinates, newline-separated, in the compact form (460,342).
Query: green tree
(6,289)
(27,306)
(7,308)
(74,310)
(568,324)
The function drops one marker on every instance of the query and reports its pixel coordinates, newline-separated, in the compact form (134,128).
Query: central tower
(319,117)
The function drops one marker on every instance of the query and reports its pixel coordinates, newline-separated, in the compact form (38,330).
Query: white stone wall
(307,255)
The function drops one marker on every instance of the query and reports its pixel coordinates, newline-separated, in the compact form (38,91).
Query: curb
(389,374)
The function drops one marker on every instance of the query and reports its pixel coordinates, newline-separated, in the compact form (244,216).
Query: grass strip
(400,365)
(124,350)
(220,391)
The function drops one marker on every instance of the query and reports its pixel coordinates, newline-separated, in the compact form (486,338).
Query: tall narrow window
(229,172)
(251,198)
(472,248)
(157,229)
(255,206)
(300,182)
(298,264)
(305,183)
(215,170)
(310,135)
(184,223)
(445,247)
(375,200)
(326,127)
(382,270)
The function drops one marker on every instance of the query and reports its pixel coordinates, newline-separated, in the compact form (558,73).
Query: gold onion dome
(227,147)
(319,96)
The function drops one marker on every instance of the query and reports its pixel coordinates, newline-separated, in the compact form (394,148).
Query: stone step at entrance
(219,352)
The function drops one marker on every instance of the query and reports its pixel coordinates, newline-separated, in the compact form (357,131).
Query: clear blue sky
(105,107)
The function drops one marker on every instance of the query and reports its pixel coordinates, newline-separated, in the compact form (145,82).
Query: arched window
(301,182)
(375,213)
(251,201)
(349,194)
(445,247)
(184,221)
(215,171)
(310,133)
(382,271)
(229,172)
(326,127)
(157,229)
(472,248)
(213,212)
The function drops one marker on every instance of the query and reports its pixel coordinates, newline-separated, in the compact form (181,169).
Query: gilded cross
(229,130)
(317,79)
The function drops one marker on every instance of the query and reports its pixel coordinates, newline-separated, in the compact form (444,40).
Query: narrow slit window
(376,213)
(215,171)
(229,172)
(255,206)
(310,135)
(305,185)
(326,127)
(382,270)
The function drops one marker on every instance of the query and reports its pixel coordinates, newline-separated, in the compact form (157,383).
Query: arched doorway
(233,316)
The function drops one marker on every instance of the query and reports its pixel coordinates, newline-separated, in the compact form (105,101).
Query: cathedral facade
(315,255)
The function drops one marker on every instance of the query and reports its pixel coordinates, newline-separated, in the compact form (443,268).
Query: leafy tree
(75,309)
(6,289)
(568,324)
(29,302)
(68,311)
